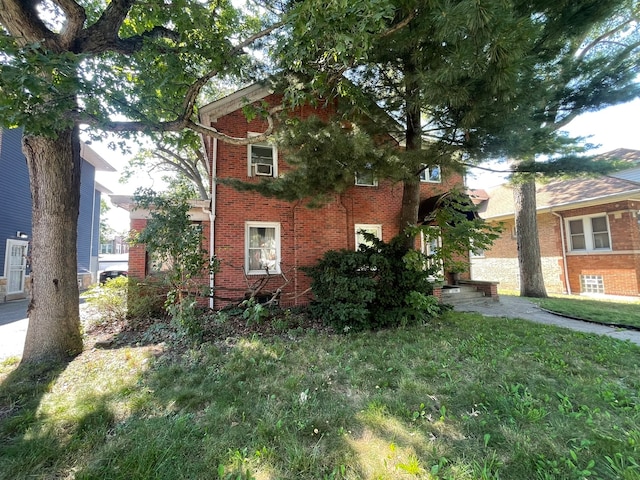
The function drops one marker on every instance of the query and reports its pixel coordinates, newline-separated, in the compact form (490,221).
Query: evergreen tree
(583,62)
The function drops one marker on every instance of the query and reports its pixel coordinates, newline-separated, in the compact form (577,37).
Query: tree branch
(75,16)
(604,37)
(21,20)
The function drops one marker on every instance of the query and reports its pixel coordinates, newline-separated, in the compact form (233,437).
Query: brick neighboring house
(15,216)
(589,233)
(249,232)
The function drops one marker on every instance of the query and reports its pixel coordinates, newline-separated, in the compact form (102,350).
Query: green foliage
(186,314)
(109,300)
(174,242)
(373,287)
(122,298)
(178,154)
(145,301)
(454,218)
(325,156)
(254,312)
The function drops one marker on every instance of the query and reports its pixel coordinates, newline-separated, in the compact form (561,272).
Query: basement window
(591,284)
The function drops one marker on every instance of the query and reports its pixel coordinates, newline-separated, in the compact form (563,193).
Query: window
(263,159)
(429,247)
(262,251)
(375,230)
(591,284)
(588,233)
(366,178)
(431,174)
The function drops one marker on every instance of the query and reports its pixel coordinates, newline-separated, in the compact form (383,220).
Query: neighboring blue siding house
(15,216)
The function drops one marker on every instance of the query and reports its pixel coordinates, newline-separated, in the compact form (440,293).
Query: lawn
(600,311)
(464,397)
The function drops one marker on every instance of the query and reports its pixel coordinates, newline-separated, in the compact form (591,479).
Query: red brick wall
(137,253)
(305,233)
(619,268)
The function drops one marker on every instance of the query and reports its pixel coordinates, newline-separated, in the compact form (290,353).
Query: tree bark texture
(411,187)
(531,279)
(54,318)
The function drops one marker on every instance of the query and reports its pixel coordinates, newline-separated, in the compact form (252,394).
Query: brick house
(589,234)
(250,233)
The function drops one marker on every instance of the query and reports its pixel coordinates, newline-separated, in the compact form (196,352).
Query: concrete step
(456,295)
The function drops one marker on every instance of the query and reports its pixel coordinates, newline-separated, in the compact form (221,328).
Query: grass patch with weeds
(605,311)
(465,397)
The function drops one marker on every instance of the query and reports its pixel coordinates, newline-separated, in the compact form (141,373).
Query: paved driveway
(13,328)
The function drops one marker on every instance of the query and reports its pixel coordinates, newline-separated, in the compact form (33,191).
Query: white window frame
(587,227)
(375,229)
(247,264)
(274,149)
(426,173)
(13,270)
(430,248)
(360,183)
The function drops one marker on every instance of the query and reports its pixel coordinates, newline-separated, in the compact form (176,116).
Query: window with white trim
(366,178)
(263,159)
(262,248)
(429,245)
(588,233)
(375,230)
(431,174)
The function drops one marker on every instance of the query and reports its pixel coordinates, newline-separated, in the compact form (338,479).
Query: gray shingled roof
(561,194)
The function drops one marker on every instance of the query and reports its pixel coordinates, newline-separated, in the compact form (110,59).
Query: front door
(16,267)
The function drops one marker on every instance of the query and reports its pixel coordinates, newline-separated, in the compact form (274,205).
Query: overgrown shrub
(379,285)
(108,300)
(146,300)
(175,244)
(122,298)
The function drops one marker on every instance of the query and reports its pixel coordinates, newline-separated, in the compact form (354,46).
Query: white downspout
(212,216)
(564,252)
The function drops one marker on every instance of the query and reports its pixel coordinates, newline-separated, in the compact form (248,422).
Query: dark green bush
(378,286)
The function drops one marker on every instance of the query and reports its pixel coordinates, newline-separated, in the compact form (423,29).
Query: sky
(611,128)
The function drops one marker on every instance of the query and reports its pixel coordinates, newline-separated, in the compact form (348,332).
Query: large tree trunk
(54,317)
(411,188)
(531,280)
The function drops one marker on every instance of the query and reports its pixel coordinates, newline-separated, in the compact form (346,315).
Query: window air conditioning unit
(263,169)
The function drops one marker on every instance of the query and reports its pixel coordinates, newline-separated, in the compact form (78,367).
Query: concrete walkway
(13,328)
(519,307)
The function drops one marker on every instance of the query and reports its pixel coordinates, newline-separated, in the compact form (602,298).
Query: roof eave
(589,202)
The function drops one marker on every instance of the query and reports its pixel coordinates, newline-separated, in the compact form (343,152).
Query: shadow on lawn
(20,394)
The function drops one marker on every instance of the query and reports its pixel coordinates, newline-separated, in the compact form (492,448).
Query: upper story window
(431,174)
(262,248)
(263,159)
(588,233)
(366,178)
(375,230)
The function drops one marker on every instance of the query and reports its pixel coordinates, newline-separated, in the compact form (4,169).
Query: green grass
(465,397)
(601,311)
